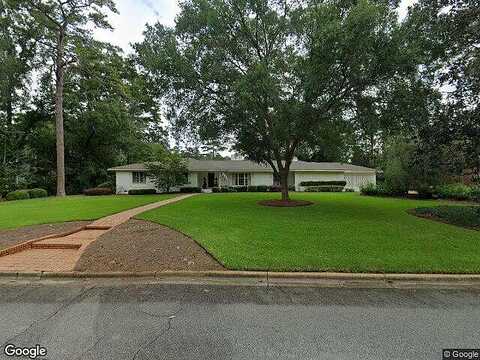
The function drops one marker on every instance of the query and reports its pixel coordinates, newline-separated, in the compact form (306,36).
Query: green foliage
(466,216)
(397,161)
(275,90)
(190,189)
(18,195)
(454,191)
(37,193)
(98,191)
(168,171)
(378,190)
(323,183)
(142,191)
(324,188)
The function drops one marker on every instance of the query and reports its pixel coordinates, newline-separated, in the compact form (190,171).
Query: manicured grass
(341,232)
(19,213)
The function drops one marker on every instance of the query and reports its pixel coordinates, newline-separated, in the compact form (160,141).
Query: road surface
(88,320)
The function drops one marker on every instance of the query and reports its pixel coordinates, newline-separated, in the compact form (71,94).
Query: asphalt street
(88,320)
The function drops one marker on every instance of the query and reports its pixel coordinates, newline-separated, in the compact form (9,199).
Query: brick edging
(28,244)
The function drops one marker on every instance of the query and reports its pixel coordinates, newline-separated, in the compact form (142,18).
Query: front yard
(14,214)
(340,232)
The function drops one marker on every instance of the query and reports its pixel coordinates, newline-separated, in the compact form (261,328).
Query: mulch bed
(283,203)
(16,236)
(145,246)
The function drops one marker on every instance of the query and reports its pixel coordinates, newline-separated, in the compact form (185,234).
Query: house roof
(250,166)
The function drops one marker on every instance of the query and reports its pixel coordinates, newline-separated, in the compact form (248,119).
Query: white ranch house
(215,173)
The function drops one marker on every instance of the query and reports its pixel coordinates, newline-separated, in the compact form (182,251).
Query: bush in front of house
(454,192)
(142,192)
(17,195)
(98,191)
(475,194)
(190,189)
(37,193)
(349,190)
(323,183)
(376,190)
(324,189)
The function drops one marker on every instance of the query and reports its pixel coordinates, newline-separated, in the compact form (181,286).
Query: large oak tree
(268,75)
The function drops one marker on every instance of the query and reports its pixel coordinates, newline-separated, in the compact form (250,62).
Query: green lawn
(15,214)
(341,232)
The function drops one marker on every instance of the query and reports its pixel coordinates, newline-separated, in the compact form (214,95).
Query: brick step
(55,246)
(97,227)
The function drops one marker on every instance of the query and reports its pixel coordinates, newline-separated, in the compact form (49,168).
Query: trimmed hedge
(250,188)
(37,193)
(324,189)
(190,189)
(323,183)
(142,192)
(98,191)
(18,195)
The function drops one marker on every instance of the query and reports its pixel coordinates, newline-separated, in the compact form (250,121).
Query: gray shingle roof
(250,166)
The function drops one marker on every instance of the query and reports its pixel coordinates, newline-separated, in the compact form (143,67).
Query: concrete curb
(259,275)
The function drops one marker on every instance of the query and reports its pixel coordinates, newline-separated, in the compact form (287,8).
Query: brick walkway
(62,253)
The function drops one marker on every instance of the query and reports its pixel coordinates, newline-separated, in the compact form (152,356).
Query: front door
(211,180)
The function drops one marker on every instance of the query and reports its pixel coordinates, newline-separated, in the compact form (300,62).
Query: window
(242,179)
(139,177)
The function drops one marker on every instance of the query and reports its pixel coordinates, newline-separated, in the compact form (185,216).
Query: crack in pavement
(63,306)
(162,317)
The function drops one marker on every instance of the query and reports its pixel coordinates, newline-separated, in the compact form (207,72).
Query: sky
(134,14)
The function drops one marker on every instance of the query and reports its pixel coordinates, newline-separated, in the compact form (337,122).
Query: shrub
(323,183)
(222,189)
(98,191)
(467,216)
(37,193)
(274,188)
(18,195)
(377,190)
(324,189)
(475,193)
(369,189)
(252,188)
(425,192)
(107,184)
(291,188)
(454,191)
(349,190)
(241,188)
(190,189)
(142,192)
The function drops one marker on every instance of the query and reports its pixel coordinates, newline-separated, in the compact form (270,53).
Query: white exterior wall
(261,179)
(124,182)
(356,180)
(316,176)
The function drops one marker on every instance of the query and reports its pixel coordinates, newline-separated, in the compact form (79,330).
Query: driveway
(132,320)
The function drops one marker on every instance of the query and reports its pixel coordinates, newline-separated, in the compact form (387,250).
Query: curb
(294,276)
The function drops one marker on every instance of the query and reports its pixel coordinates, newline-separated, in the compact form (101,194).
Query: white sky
(134,14)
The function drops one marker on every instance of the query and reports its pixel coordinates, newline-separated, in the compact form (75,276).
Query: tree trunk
(284,184)
(59,73)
